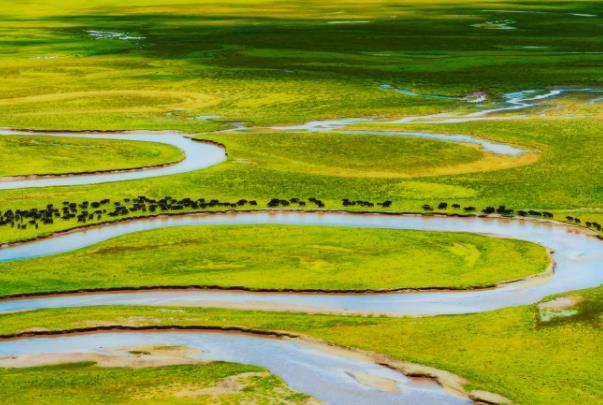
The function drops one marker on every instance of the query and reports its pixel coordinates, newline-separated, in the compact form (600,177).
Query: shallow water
(306,368)
(511,101)
(415,94)
(519,100)
(578,257)
(198,156)
(330,125)
(323,125)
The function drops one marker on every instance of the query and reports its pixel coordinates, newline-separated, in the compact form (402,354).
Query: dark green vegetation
(85,383)
(280,257)
(138,64)
(507,351)
(45,155)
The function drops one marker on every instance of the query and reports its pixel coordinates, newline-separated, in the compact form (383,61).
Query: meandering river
(327,375)
(201,155)
(197,156)
(577,253)
(332,376)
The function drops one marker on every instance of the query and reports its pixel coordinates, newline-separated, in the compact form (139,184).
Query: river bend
(577,253)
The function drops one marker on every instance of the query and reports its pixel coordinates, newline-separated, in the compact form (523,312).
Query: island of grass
(216,382)
(278,257)
(43,155)
(350,155)
(512,352)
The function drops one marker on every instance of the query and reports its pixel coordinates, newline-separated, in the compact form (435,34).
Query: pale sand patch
(452,383)
(374,381)
(558,308)
(560,302)
(35,329)
(37,360)
(488,397)
(136,357)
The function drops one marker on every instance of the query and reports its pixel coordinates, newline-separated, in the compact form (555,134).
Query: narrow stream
(198,155)
(331,125)
(511,101)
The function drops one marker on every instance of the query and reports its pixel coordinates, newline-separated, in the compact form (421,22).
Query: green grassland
(85,383)
(508,351)
(199,66)
(151,65)
(347,155)
(146,64)
(565,177)
(280,257)
(56,155)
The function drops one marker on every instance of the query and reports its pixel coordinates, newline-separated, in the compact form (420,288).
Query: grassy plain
(27,155)
(565,178)
(151,64)
(347,155)
(85,383)
(280,257)
(105,64)
(508,351)
(147,64)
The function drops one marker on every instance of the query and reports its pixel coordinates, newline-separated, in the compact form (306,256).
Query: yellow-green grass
(557,138)
(42,155)
(276,61)
(508,351)
(348,155)
(86,383)
(281,257)
(565,177)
